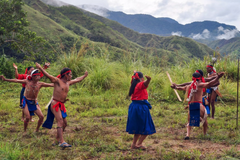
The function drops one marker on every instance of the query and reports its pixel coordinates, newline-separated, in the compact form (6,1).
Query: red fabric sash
(193,86)
(203,80)
(135,77)
(59,76)
(61,104)
(212,68)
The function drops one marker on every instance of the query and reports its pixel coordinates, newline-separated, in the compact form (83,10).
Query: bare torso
(197,97)
(32,90)
(60,91)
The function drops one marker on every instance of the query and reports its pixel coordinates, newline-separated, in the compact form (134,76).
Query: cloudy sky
(183,11)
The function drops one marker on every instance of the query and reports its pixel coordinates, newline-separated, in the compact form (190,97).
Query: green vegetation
(97,113)
(98,106)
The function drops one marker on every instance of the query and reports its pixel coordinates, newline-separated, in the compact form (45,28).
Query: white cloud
(184,11)
(178,33)
(95,9)
(226,33)
(204,35)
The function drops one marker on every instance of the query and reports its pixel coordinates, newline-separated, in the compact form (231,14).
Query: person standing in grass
(204,98)
(197,112)
(139,121)
(212,91)
(30,104)
(57,108)
(24,76)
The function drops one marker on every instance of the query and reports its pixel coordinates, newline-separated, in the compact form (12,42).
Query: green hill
(62,26)
(226,46)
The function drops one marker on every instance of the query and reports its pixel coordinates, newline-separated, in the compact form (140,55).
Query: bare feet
(142,147)
(134,146)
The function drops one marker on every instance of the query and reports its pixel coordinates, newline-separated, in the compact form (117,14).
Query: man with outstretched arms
(57,108)
(30,96)
(197,112)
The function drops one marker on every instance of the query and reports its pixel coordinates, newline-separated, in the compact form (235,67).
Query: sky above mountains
(183,11)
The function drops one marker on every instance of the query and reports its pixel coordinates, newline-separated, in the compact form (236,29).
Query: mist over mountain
(142,23)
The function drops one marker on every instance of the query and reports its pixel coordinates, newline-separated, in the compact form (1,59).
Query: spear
(179,98)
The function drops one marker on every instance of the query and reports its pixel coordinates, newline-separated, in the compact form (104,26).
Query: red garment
(24,76)
(140,92)
(61,104)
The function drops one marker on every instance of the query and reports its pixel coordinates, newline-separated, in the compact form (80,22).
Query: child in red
(139,120)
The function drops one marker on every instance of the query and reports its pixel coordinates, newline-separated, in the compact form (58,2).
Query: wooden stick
(179,98)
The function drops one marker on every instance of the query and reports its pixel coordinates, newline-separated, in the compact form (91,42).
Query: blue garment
(50,118)
(32,106)
(209,91)
(206,106)
(139,118)
(194,111)
(21,94)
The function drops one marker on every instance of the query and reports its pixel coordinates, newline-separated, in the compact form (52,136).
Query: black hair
(134,83)
(196,75)
(200,71)
(63,71)
(210,65)
(29,68)
(36,71)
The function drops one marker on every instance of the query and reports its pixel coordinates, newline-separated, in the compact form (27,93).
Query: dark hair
(63,71)
(200,71)
(36,71)
(196,75)
(134,83)
(29,68)
(210,65)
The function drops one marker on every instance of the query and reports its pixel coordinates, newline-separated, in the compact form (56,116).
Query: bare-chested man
(197,112)
(57,108)
(24,76)
(30,96)
(212,91)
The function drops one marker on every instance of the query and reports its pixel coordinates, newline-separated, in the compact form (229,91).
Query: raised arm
(52,78)
(78,79)
(13,80)
(16,70)
(146,83)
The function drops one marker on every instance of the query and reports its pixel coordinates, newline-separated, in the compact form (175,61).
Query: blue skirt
(139,118)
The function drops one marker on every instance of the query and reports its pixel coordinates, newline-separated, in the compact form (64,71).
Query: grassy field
(97,114)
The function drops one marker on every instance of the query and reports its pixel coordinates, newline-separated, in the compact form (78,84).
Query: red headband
(60,75)
(203,80)
(211,67)
(135,77)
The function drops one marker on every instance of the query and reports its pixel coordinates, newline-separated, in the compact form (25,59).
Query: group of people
(139,120)
(29,94)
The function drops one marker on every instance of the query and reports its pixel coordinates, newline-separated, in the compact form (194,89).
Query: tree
(13,31)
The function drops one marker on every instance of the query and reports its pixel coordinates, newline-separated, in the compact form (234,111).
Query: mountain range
(65,25)
(142,23)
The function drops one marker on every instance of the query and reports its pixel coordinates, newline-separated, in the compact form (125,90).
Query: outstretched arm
(16,70)
(13,80)
(52,78)
(146,83)
(181,88)
(212,82)
(78,79)
(46,84)
(180,85)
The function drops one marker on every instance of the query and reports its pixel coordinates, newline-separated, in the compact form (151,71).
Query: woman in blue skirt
(139,120)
